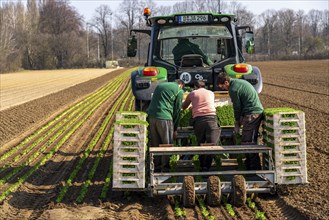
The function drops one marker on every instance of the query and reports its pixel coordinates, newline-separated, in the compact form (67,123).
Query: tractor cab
(190,47)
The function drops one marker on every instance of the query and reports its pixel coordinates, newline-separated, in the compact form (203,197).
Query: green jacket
(166,102)
(184,47)
(244,98)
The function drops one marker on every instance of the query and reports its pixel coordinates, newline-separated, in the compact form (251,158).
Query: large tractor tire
(239,192)
(188,192)
(213,191)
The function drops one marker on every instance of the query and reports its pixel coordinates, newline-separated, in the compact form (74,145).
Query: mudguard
(259,85)
(253,75)
(143,87)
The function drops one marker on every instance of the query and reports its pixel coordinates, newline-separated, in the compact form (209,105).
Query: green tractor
(218,38)
(220,41)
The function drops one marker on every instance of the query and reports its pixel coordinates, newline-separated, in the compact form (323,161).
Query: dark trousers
(161,132)
(250,127)
(206,130)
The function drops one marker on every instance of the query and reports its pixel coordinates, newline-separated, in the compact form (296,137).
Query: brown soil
(301,85)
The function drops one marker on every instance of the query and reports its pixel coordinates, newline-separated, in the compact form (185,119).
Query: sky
(87,7)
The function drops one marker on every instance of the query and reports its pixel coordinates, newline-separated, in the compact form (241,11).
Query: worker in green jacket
(248,113)
(163,116)
(184,47)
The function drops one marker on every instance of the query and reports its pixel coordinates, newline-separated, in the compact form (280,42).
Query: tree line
(51,34)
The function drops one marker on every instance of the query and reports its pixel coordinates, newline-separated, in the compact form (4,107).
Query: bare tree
(325,27)
(267,31)
(102,23)
(300,22)
(10,35)
(216,6)
(199,5)
(130,13)
(61,23)
(314,16)
(163,10)
(245,17)
(183,7)
(286,25)
(32,36)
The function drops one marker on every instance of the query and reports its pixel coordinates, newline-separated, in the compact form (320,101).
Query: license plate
(192,19)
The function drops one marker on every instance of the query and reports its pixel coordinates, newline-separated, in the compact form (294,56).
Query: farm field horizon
(70,133)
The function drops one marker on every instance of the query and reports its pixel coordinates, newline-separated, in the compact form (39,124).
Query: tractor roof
(190,18)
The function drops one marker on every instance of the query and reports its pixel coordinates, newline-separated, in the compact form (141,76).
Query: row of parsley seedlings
(259,215)
(107,182)
(179,210)
(49,124)
(22,179)
(60,119)
(196,162)
(200,199)
(100,155)
(4,179)
(20,167)
(91,173)
(90,146)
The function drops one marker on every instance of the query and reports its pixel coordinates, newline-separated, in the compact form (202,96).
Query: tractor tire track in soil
(292,96)
(276,208)
(300,90)
(36,197)
(310,200)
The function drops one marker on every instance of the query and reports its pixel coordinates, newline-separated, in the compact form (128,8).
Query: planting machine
(133,161)
(283,161)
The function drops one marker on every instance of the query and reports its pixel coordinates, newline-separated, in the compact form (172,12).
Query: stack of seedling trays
(129,149)
(284,131)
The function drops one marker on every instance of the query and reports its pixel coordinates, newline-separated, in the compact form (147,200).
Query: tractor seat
(191,60)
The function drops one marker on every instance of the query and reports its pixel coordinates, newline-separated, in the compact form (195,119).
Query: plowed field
(56,152)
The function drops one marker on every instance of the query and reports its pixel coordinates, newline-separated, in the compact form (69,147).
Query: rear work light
(150,71)
(241,68)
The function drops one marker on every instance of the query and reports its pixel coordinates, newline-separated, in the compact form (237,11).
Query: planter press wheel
(213,191)
(239,194)
(188,192)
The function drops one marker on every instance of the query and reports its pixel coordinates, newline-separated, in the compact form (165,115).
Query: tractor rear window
(211,42)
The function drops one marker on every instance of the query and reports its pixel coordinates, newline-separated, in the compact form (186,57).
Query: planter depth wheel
(188,192)
(239,194)
(213,191)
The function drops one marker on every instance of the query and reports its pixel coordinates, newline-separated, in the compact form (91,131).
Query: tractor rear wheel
(188,192)
(239,194)
(213,191)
